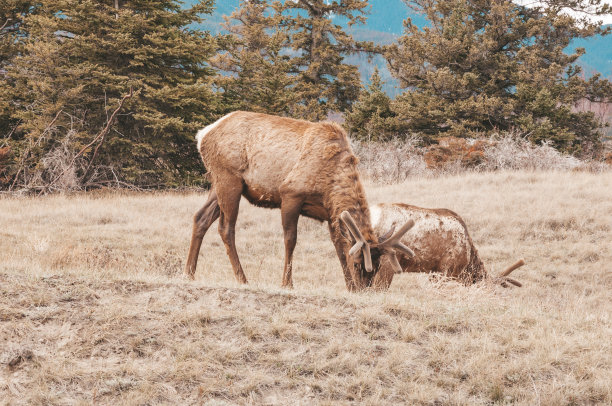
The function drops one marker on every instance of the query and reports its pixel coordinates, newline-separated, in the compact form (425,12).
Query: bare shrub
(58,169)
(509,151)
(397,160)
(391,161)
(53,162)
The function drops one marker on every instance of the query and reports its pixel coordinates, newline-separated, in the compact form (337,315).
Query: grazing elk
(441,244)
(300,167)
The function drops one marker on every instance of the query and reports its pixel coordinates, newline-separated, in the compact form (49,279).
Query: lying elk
(303,168)
(441,244)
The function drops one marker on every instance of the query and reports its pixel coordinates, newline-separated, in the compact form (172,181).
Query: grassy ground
(93,308)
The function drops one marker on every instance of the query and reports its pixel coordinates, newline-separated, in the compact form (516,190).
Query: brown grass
(93,308)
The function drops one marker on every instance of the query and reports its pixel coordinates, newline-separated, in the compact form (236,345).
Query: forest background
(110,93)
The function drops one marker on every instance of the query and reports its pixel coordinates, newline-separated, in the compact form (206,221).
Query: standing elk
(441,244)
(300,167)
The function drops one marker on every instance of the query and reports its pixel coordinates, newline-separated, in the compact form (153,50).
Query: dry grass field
(94,310)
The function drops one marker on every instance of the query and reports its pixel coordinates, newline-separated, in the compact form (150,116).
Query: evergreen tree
(325,83)
(79,59)
(483,65)
(257,72)
(372,117)
(12,13)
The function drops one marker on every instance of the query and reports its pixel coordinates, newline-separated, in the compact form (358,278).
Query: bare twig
(5,24)
(98,138)
(26,153)
(10,134)
(106,129)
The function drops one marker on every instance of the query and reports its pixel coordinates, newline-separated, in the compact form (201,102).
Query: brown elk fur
(303,168)
(439,239)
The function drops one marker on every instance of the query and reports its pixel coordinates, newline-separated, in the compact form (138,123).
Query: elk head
(366,255)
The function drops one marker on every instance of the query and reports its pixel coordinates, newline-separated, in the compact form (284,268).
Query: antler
(386,235)
(394,242)
(361,243)
(391,243)
(397,268)
(511,268)
(503,278)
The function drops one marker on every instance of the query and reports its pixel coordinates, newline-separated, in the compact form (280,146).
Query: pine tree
(482,66)
(12,13)
(256,70)
(79,59)
(372,117)
(325,82)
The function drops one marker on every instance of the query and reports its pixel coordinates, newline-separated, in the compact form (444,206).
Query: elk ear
(351,159)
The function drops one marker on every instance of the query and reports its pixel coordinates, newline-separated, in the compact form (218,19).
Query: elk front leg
(348,278)
(290,214)
(202,221)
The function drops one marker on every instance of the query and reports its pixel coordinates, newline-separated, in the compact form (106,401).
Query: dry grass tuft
(93,308)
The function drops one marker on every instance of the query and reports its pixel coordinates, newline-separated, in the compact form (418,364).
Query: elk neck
(347,194)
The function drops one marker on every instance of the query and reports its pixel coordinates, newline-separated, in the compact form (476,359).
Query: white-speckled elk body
(303,168)
(439,239)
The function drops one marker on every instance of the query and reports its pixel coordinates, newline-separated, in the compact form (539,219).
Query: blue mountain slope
(598,57)
(385,24)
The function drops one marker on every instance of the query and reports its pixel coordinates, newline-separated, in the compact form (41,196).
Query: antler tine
(361,243)
(503,278)
(352,226)
(367,257)
(397,268)
(386,235)
(395,240)
(514,282)
(355,249)
(510,269)
(404,249)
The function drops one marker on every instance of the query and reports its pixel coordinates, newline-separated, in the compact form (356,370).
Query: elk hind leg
(202,221)
(229,202)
